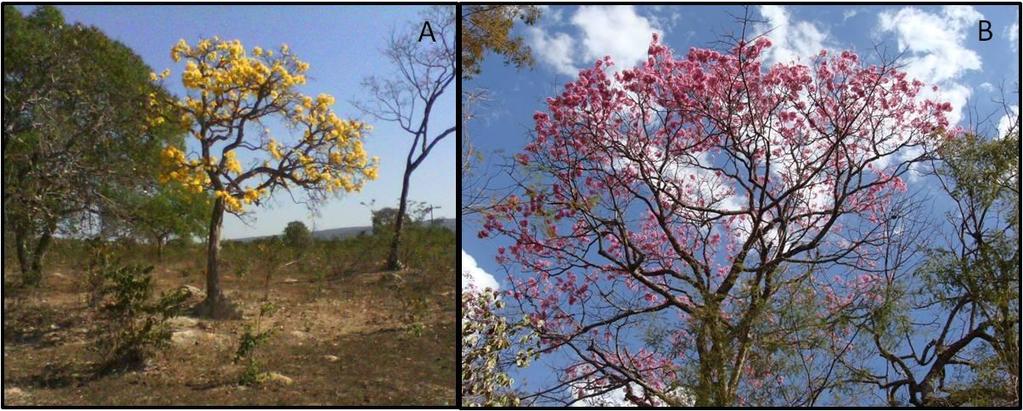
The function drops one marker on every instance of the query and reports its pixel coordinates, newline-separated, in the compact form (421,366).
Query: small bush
(137,322)
(252,337)
(94,281)
(415,307)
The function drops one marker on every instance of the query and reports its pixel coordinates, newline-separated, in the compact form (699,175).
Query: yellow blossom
(230,202)
(180,48)
(231,163)
(275,150)
(222,83)
(325,100)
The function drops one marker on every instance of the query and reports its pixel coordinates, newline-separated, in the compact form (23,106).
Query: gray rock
(14,392)
(194,291)
(275,378)
(191,337)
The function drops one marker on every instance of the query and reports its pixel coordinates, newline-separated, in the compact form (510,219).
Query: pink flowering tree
(690,227)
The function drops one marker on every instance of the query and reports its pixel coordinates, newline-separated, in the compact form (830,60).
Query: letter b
(985,27)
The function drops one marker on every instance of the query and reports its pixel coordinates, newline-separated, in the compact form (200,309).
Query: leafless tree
(425,69)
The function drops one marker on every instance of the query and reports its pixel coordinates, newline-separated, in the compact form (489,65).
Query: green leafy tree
(297,235)
(491,345)
(157,213)
(383,220)
(970,354)
(488,28)
(173,212)
(74,126)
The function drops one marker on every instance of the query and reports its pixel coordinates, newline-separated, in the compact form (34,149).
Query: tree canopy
(75,128)
(297,235)
(694,226)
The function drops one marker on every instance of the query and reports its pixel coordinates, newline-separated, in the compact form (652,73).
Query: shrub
(137,322)
(252,337)
(415,308)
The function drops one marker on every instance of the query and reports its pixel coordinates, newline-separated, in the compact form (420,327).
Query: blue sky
(342,44)
(939,46)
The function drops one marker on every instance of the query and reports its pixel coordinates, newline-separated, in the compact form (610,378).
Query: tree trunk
(714,349)
(159,247)
(392,260)
(215,305)
(31,264)
(20,238)
(37,256)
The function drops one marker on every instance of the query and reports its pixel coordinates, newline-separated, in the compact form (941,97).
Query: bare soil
(344,340)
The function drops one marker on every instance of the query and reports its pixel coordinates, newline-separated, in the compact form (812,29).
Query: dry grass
(341,339)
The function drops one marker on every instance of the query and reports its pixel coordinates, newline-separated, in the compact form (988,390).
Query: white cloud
(1012,34)
(555,50)
(1010,121)
(664,17)
(848,14)
(988,87)
(792,40)
(551,14)
(616,397)
(615,31)
(613,398)
(935,46)
(475,277)
(935,42)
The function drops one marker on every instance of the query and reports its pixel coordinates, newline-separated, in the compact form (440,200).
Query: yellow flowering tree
(232,95)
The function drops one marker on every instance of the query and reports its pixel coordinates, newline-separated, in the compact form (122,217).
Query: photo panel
(230,205)
(731,206)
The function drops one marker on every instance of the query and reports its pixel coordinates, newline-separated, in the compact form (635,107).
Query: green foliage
(163,212)
(981,170)
(137,322)
(982,176)
(297,235)
(487,341)
(970,286)
(75,127)
(252,337)
(487,28)
(415,305)
(383,220)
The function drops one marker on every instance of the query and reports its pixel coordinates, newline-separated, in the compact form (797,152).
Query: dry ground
(341,340)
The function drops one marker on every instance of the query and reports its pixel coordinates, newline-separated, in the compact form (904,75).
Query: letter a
(427,32)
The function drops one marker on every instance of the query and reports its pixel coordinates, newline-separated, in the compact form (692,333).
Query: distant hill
(346,232)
